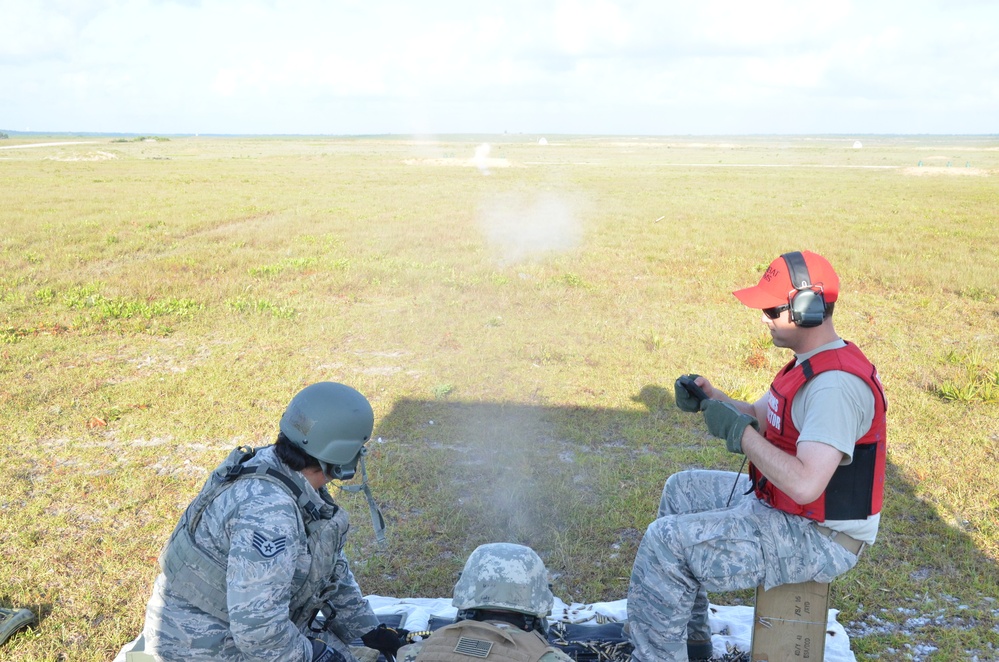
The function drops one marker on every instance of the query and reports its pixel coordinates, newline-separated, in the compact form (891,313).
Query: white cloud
(768,24)
(276,66)
(580,26)
(804,71)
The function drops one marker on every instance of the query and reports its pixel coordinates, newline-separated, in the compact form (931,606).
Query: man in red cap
(812,500)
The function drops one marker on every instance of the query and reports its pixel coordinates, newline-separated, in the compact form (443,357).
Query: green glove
(688,394)
(728,423)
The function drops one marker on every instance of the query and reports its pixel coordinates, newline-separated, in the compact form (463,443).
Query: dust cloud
(523,226)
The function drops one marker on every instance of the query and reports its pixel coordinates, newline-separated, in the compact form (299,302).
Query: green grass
(517,333)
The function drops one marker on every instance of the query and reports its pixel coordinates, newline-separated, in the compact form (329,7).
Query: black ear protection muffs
(808,303)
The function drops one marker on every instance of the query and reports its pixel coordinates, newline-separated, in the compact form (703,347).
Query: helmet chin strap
(377,521)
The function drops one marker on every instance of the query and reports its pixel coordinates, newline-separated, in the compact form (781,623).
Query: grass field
(517,321)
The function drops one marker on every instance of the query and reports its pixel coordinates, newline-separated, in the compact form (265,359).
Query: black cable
(730,494)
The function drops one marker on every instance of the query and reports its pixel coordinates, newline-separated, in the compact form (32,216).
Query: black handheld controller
(691,386)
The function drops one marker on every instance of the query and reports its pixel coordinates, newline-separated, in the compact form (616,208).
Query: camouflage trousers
(698,544)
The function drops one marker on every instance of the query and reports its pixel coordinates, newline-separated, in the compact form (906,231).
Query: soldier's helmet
(504,576)
(331,422)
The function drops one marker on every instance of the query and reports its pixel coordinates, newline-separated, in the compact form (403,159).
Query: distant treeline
(3,135)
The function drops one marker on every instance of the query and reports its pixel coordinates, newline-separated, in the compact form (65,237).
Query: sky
(537,67)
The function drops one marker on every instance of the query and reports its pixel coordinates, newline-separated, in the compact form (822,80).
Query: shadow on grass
(923,584)
(580,484)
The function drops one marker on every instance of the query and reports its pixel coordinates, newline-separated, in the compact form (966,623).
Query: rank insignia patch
(268,548)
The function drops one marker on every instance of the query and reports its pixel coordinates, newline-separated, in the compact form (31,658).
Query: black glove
(386,640)
(321,652)
(687,393)
(728,423)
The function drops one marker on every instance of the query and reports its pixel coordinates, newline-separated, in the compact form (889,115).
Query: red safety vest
(856,490)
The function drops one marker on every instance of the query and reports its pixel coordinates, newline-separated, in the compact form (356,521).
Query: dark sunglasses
(774,313)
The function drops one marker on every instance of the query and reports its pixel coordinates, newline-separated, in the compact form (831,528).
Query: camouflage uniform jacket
(256,553)
(498,640)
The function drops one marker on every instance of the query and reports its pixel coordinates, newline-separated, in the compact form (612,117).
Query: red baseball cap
(775,285)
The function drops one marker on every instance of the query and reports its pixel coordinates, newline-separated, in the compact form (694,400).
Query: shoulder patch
(268,548)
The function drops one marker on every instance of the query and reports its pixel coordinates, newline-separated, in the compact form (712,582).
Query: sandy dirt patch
(461,163)
(91,156)
(938,171)
(87,142)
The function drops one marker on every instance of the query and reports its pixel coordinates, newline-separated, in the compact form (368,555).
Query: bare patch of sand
(930,171)
(91,156)
(461,163)
(27,145)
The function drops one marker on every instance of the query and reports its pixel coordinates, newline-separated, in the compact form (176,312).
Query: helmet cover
(504,576)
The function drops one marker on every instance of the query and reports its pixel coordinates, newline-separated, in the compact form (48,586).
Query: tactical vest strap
(301,498)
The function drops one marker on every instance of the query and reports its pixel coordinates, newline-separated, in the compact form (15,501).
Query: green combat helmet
(504,577)
(12,620)
(331,422)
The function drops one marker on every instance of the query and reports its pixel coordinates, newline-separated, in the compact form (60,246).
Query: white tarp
(731,626)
